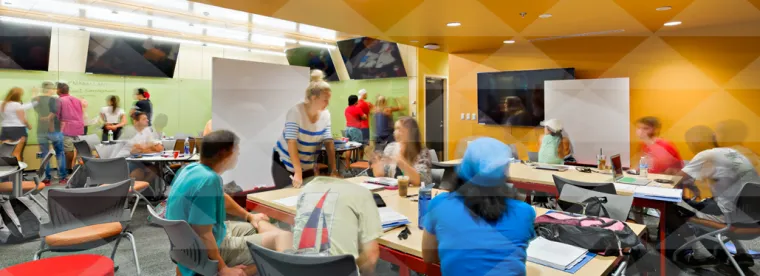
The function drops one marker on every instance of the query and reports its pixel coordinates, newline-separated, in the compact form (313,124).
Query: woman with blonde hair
(406,156)
(307,128)
(14,124)
(383,115)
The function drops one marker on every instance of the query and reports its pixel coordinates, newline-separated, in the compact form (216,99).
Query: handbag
(592,206)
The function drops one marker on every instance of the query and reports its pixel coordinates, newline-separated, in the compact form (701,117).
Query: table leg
(663,258)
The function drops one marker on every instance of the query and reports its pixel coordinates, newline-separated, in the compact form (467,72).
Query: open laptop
(617,171)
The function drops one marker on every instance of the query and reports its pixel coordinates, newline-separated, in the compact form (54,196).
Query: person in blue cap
(479,228)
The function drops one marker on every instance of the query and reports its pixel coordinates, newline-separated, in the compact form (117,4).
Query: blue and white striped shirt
(309,136)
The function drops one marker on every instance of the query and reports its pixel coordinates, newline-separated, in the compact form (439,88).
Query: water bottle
(425,195)
(110,136)
(643,167)
(187,146)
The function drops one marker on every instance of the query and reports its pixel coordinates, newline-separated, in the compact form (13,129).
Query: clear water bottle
(644,167)
(425,195)
(187,146)
(110,136)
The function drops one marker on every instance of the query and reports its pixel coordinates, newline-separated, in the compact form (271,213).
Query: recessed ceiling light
(509,42)
(414,41)
(432,46)
(673,23)
(663,8)
(454,24)
(546,15)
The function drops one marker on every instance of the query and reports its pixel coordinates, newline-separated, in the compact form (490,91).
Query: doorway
(435,102)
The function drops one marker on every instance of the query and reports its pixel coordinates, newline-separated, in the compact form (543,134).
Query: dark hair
(487,203)
(63,88)
(352,100)
(217,145)
(137,114)
(142,91)
(652,122)
(414,146)
(113,101)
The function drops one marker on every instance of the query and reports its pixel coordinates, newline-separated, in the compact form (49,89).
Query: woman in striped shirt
(307,128)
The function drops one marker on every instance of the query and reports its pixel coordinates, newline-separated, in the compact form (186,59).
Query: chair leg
(38,254)
(38,202)
(711,235)
(113,252)
(134,207)
(134,250)
(730,257)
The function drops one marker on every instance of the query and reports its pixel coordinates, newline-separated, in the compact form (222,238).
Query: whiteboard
(252,99)
(595,114)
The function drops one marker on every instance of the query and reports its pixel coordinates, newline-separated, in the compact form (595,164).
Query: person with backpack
(479,228)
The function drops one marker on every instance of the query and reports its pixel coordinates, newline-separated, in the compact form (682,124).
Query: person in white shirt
(113,118)
(14,124)
(143,142)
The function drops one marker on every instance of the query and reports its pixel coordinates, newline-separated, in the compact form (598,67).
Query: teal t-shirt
(547,154)
(197,197)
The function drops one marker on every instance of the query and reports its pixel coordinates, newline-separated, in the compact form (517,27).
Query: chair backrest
(533,156)
(198,142)
(186,248)
(271,263)
(75,208)
(43,165)
(6,149)
(747,205)
(179,144)
(16,178)
(83,149)
(618,206)
(105,170)
(433,155)
(437,175)
(607,188)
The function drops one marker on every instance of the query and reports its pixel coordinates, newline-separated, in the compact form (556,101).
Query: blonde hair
(316,75)
(316,88)
(14,95)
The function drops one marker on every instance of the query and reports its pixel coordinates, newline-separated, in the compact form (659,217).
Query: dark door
(434,112)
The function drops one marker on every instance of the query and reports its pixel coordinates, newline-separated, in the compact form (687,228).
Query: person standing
(366,107)
(49,130)
(555,147)
(662,156)
(14,121)
(383,115)
(354,116)
(307,128)
(72,120)
(113,118)
(143,104)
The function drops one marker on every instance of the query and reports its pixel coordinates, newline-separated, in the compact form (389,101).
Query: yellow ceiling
(486,23)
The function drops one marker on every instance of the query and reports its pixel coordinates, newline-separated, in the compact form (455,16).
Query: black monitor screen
(24,47)
(369,58)
(116,55)
(314,58)
(515,97)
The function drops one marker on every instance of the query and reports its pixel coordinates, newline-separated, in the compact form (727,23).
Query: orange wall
(429,63)
(685,81)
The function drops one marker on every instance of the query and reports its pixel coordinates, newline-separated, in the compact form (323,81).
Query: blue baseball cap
(485,163)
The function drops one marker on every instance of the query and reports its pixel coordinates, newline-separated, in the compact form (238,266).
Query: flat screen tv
(24,47)
(515,97)
(314,58)
(115,55)
(369,58)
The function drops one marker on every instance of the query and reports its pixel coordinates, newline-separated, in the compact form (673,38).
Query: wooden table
(525,177)
(408,253)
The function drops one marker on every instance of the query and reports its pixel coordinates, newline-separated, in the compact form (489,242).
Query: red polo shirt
(353,116)
(662,156)
(364,106)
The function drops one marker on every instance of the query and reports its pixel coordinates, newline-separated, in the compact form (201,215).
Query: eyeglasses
(404,233)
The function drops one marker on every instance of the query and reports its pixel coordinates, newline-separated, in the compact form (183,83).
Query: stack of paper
(390,219)
(385,181)
(372,187)
(288,201)
(554,254)
(657,193)
(620,187)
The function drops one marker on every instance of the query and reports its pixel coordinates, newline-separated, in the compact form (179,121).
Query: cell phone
(664,181)
(378,200)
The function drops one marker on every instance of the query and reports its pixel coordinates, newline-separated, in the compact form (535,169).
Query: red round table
(70,265)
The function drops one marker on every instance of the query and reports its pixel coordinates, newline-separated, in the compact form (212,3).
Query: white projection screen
(252,99)
(595,114)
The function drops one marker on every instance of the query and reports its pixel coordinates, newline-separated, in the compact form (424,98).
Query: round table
(69,265)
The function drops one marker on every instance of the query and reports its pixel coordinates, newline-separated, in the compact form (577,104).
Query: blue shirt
(471,246)
(197,197)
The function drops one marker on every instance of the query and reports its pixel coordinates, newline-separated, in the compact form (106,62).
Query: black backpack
(20,219)
(592,206)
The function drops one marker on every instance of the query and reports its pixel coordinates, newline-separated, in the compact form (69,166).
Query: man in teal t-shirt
(197,197)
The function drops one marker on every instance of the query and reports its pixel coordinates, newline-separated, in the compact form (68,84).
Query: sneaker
(46,182)
(63,181)
(690,260)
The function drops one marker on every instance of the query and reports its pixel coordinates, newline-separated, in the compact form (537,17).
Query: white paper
(554,254)
(372,187)
(387,181)
(388,216)
(659,192)
(288,201)
(625,187)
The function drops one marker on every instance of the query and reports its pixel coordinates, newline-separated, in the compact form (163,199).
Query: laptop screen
(617,167)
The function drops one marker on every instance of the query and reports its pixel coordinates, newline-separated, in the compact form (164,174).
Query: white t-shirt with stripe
(309,136)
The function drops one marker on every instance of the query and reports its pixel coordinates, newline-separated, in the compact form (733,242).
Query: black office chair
(272,263)
(607,188)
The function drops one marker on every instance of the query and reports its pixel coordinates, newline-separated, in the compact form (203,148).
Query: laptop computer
(617,171)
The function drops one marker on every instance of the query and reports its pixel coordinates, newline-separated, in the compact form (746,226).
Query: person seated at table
(197,197)
(406,156)
(726,170)
(346,214)
(307,127)
(555,147)
(479,228)
(143,142)
(662,155)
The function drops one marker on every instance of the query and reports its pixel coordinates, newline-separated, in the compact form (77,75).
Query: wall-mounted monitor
(314,58)
(369,58)
(115,55)
(515,97)
(24,47)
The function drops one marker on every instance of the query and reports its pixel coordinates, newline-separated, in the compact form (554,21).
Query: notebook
(390,219)
(554,254)
(372,187)
(657,193)
(385,181)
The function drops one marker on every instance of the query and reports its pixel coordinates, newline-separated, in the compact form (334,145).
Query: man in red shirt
(661,154)
(354,116)
(365,108)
